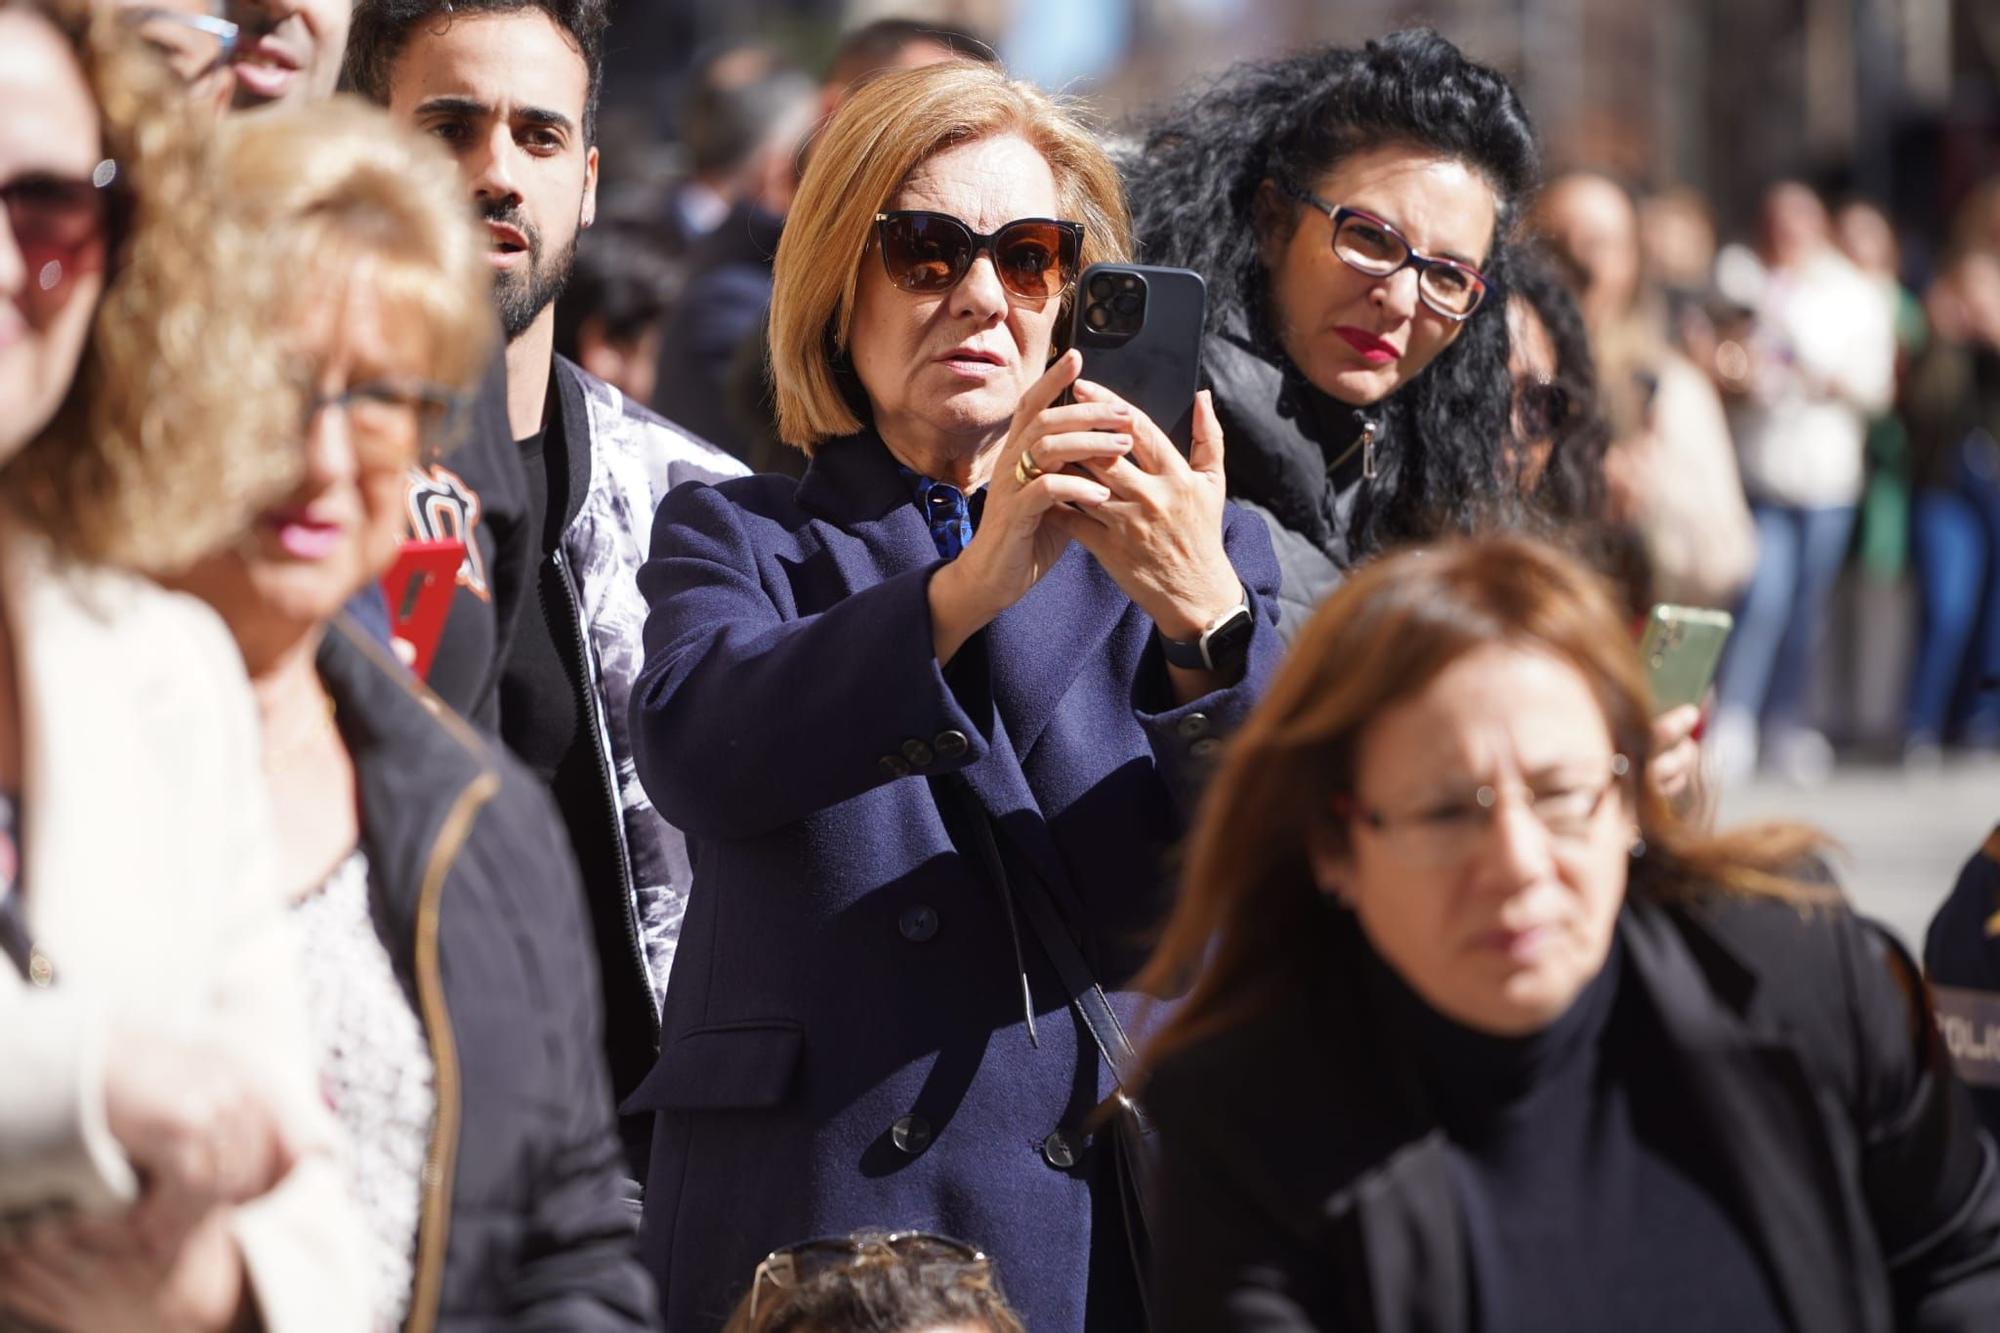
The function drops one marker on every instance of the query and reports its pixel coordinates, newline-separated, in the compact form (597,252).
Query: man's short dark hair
(382,28)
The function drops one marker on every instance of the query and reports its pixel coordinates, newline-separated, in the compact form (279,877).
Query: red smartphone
(419,588)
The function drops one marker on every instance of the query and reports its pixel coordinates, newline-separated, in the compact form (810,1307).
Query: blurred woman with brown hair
(1482,1037)
(164,1156)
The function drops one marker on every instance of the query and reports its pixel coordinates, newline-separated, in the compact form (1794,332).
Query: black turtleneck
(1584,1194)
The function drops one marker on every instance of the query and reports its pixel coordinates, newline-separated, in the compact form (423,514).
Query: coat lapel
(1758,1105)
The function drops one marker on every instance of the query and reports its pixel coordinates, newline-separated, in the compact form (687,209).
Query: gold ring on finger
(1025,470)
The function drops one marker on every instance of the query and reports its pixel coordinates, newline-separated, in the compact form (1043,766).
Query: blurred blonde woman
(450,974)
(164,1156)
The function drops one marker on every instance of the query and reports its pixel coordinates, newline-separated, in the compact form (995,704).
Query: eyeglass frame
(447,403)
(227,32)
(980,244)
(856,1246)
(1486,798)
(1412,257)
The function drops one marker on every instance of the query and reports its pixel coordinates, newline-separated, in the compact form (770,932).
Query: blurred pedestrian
(1346,207)
(885,45)
(870,1282)
(1556,436)
(729,267)
(453,990)
(1952,404)
(1671,465)
(511,88)
(736,114)
(609,319)
(1962,965)
(165,1160)
(1573,1065)
(991,642)
(1817,365)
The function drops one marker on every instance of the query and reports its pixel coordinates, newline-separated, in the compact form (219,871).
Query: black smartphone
(1139,329)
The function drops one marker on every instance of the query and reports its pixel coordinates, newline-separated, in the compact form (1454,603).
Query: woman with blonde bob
(1481,1037)
(927,718)
(165,1160)
(450,975)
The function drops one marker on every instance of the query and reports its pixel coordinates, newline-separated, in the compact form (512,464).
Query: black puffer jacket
(523,1224)
(1298,460)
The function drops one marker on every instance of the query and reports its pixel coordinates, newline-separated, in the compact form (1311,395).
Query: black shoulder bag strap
(1128,1128)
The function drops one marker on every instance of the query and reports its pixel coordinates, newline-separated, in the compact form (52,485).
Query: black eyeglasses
(928,253)
(64,226)
(1541,407)
(796,1265)
(1367,244)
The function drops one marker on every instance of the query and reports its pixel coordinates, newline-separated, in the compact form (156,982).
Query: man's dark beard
(524,292)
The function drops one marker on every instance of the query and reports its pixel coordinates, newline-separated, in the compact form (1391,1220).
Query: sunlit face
(946,371)
(1866,238)
(506,93)
(1496,922)
(1531,362)
(306,555)
(52,242)
(1795,223)
(1356,337)
(1595,226)
(295,58)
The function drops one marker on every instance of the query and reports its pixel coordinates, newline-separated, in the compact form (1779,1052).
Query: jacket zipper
(440,1157)
(601,749)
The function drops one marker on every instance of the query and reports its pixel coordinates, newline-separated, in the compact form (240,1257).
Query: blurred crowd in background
(1794,362)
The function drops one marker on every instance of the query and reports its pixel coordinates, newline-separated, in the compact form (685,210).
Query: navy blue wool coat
(844,1042)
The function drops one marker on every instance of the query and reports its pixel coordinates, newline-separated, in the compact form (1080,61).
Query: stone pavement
(1906,833)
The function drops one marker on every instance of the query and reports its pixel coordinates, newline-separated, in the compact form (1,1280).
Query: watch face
(1231,639)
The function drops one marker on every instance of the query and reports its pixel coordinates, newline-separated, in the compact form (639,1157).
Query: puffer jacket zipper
(600,735)
(440,1158)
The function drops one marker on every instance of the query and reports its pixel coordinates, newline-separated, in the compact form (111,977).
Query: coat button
(918,924)
(895,765)
(951,744)
(911,1134)
(1059,1151)
(1193,727)
(918,753)
(1205,748)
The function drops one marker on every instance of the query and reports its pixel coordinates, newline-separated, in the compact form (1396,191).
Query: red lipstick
(1374,351)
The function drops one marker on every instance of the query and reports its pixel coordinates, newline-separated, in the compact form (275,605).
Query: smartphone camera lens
(1101,288)
(1126,303)
(1097,317)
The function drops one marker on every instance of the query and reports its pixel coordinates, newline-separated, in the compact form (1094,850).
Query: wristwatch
(1220,647)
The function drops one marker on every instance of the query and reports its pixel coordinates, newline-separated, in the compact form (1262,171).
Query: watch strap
(1194,654)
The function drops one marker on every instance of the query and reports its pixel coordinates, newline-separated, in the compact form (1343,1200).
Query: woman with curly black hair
(1347,208)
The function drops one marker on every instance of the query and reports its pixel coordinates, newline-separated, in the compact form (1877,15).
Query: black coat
(1962,956)
(523,1223)
(1301,1191)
